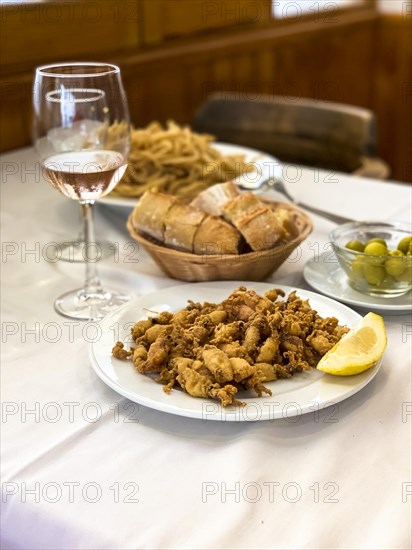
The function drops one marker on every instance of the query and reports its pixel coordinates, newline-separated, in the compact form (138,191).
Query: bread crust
(238,207)
(257,222)
(150,213)
(181,224)
(260,228)
(215,236)
(212,199)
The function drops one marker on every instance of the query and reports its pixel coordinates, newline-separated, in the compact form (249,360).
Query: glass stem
(81,238)
(92,283)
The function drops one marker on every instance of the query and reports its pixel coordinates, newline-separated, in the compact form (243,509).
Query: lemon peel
(357,350)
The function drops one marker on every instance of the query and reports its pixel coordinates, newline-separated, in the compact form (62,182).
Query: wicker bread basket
(251,266)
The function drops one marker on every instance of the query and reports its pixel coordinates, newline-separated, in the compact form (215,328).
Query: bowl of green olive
(376,256)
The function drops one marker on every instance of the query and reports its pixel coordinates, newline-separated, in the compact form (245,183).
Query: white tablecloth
(83,467)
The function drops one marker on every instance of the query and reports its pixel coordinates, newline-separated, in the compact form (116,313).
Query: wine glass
(81,132)
(75,251)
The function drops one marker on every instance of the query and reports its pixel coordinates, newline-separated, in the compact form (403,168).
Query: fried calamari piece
(140,358)
(218,363)
(268,371)
(234,349)
(200,385)
(291,343)
(274,294)
(242,303)
(254,382)
(226,395)
(269,350)
(157,354)
(217,317)
(153,333)
(140,328)
(226,333)
(321,341)
(194,383)
(168,378)
(164,318)
(251,339)
(198,333)
(119,352)
(241,368)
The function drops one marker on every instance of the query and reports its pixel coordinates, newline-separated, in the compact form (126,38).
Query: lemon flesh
(358,350)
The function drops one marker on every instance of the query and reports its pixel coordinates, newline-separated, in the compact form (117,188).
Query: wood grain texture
(361,59)
(165,19)
(35,32)
(316,133)
(392,97)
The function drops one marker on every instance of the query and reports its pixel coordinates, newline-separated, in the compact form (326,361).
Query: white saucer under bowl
(324,274)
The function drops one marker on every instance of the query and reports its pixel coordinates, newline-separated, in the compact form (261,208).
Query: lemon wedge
(357,350)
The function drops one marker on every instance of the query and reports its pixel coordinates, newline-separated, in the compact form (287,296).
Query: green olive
(376,249)
(357,267)
(355,245)
(376,240)
(396,253)
(406,276)
(374,275)
(395,266)
(405,245)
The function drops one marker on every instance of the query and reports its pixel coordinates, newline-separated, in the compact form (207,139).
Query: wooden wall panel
(222,68)
(362,60)
(15,112)
(33,33)
(19,124)
(164,19)
(266,65)
(198,77)
(392,102)
(244,69)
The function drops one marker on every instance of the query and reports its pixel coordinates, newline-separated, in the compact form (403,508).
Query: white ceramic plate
(305,392)
(325,275)
(266,167)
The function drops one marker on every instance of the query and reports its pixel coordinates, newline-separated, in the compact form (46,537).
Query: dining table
(84,467)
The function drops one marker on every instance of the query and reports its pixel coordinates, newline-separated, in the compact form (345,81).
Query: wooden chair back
(303,131)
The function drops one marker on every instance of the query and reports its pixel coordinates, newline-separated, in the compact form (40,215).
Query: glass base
(398,289)
(78,304)
(76,252)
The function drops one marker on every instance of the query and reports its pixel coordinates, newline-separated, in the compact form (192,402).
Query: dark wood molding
(362,59)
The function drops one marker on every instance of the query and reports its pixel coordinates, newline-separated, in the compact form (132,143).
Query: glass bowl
(388,274)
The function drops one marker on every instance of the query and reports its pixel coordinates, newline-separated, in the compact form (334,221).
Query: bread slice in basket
(182,227)
(214,263)
(245,223)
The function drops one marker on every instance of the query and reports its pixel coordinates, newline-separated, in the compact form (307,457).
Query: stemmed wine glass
(82,134)
(74,251)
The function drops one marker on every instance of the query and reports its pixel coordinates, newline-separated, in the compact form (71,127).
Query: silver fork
(277,185)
